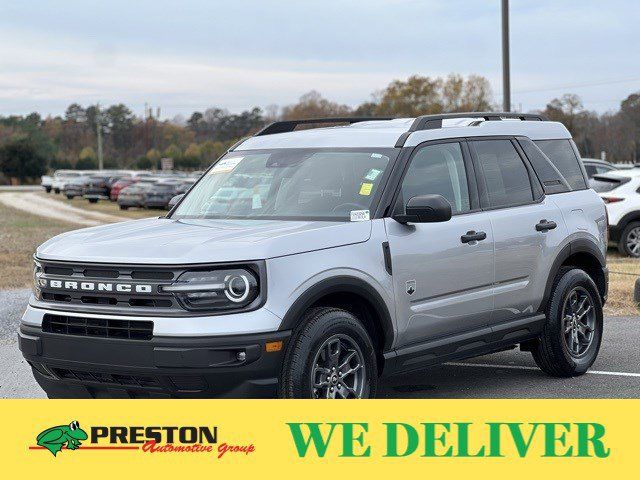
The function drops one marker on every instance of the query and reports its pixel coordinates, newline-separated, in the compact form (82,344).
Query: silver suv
(315,263)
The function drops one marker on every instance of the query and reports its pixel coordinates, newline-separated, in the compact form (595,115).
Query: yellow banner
(319,439)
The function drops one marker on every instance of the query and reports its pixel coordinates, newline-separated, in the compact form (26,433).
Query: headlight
(38,281)
(225,289)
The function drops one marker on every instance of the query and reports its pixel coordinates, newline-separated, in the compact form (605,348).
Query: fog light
(241,356)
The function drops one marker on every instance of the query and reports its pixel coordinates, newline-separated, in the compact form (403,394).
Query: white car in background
(620,190)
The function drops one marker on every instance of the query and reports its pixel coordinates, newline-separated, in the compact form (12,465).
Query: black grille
(98,327)
(108,378)
(107,299)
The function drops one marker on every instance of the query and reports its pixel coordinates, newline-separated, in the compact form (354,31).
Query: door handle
(473,236)
(545,225)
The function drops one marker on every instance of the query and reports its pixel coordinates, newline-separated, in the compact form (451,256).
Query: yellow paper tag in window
(365,188)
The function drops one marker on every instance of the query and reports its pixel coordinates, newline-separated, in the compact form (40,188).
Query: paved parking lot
(512,374)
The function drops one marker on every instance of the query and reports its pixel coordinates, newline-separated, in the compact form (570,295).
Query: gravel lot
(616,373)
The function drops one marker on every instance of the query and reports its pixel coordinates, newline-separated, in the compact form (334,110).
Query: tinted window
(506,176)
(591,170)
(606,184)
(547,173)
(437,169)
(561,153)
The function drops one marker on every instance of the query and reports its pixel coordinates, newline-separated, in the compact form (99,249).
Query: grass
(623,272)
(104,206)
(21,233)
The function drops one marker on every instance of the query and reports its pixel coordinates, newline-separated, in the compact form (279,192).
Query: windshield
(324,184)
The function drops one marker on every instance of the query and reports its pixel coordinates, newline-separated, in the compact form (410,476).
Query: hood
(175,242)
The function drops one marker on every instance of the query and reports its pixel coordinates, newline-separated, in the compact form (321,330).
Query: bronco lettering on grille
(100,286)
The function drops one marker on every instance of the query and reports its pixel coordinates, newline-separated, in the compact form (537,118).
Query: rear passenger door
(527,227)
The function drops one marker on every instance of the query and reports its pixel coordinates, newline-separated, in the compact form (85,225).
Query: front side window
(506,176)
(437,169)
(288,184)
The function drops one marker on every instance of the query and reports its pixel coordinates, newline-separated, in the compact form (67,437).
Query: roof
(386,133)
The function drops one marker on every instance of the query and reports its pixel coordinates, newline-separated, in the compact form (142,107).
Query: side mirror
(426,209)
(175,200)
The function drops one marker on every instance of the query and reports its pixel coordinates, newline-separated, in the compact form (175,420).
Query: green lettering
(584,439)
(392,439)
(431,439)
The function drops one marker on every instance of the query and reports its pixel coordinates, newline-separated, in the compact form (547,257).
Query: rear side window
(550,177)
(506,176)
(561,153)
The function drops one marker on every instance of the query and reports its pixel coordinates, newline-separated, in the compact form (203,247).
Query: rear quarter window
(561,153)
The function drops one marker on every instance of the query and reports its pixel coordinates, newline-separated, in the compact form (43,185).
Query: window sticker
(359,215)
(365,188)
(376,155)
(373,174)
(225,165)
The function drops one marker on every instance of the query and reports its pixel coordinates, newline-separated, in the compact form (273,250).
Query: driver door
(443,282)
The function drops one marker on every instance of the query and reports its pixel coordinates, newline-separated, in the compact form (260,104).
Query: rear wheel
(629,243)
(123,207)
(47,189)
(93,200)
(330,356)
(69,197)
(571,338)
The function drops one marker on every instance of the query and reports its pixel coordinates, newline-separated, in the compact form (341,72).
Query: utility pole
(506,76)
(99,135)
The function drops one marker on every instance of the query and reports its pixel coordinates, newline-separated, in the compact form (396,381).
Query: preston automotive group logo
(144,439)
(69,436)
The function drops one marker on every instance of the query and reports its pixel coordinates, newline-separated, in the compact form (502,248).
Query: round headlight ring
(230,290)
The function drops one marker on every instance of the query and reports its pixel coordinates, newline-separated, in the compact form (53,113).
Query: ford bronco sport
(315,263)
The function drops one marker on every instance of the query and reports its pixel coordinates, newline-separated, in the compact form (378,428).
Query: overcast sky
(191,55)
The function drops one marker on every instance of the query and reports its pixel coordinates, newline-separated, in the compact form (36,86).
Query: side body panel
(452,281)
(523,257)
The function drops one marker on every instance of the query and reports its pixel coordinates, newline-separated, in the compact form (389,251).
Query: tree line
(31,145)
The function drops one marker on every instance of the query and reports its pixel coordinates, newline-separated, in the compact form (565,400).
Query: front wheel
(330,356)
(571,338)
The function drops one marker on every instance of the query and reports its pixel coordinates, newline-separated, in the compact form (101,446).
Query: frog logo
(69,436)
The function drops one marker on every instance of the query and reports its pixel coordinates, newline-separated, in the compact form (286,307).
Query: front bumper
(238,366)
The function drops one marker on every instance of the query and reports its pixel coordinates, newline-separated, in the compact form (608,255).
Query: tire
(69,197)
(123,207)
(47,189)
(93,200)
(56,190)
(322,330)
(553,351)
(630,234)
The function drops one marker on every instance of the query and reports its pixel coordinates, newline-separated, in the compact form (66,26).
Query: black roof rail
(429,122)
(285,126)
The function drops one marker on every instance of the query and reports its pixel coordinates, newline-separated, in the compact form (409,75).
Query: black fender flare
(580,245)
(342,284)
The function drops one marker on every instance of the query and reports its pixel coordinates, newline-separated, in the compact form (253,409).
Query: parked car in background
(159,194)
(75,186)
(119,184)
(184,186)
(45,182)
(619,190)
(61,177)
(134,195)
(97,187)
(594,166)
